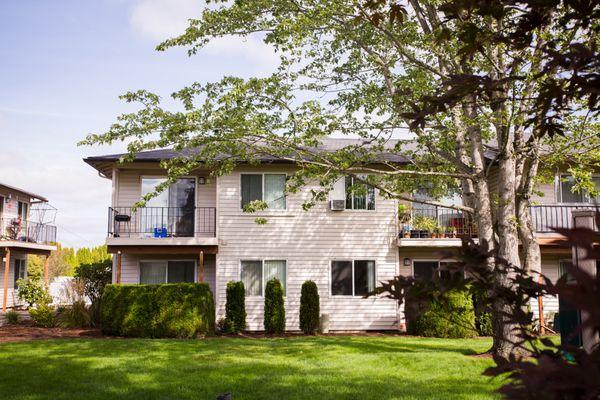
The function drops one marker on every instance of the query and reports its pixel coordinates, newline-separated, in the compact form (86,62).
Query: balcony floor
(156,242)
(27,247)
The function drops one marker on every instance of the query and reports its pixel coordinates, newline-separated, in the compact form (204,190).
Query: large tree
(479,88)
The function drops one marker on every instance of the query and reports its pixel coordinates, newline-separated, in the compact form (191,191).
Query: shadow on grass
(321,367)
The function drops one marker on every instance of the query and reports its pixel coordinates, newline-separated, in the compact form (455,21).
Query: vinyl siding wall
(309,241)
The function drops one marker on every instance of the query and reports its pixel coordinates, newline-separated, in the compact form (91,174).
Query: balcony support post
(46,271)
(584,218)
(6,268)
(119,267)
(201,267)
(540,302)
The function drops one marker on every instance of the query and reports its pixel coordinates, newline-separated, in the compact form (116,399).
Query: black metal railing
(545,217)
(434,222)
(161,222)
(12,228)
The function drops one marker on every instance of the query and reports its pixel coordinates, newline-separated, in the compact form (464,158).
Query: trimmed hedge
(309,308)
(235,308)
(179,310)
(452,317)
(274,308)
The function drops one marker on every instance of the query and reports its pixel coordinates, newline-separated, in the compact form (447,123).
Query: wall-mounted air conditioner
(337,205)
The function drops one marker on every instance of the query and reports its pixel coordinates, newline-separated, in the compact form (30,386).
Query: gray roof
(102,163)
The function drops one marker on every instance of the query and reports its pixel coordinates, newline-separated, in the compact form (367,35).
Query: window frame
(262,271)
(366,202)
(558,190)
(353,295)
(23,265)
(195,261)
(262,180)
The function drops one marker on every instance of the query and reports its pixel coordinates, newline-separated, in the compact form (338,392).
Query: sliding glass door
(172,212)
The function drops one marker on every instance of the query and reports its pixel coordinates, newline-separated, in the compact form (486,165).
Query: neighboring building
(197,231)
(24,229)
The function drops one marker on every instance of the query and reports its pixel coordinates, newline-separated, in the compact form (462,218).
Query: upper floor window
(352,278)
(359,196)
(566,194)
(256,273)
(269,188)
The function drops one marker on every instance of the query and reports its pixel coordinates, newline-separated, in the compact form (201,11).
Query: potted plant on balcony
(452,232)
(424,227)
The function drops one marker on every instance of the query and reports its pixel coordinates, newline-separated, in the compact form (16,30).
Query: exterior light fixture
(407,262)
(201,180)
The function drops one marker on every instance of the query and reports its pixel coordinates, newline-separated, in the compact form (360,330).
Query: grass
(344,367)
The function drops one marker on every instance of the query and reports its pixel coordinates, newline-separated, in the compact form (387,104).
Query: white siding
(308,240)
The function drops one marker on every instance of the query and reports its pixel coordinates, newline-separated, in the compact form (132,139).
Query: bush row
(180,310)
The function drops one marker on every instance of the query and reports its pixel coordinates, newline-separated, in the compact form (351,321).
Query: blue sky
(63,65)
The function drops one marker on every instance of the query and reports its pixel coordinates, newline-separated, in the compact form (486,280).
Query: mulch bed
(26,331)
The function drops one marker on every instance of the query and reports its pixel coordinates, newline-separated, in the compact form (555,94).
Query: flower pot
(415,233)
(423,234)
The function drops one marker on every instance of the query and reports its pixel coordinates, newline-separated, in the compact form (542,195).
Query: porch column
(585,219)
(201,267)
(6,268)
(540,302)
(46,271)
(118,267)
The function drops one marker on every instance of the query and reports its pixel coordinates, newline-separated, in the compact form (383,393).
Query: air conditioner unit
(337,205)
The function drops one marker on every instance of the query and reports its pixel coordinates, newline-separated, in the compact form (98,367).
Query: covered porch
(13,255)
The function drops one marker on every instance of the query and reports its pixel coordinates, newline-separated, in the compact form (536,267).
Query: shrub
(309,308)
(180,310)
(95,277)
(451,316)
(32,291)
(483,316)
(235,308)
(43,315)
(274,307)
(12,317)
(75,316)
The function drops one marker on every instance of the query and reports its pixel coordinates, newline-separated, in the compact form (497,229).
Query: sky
(63,64)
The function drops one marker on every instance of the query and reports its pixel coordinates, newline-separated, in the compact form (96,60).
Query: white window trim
(166,269)
(359,209)
(264,284)
(353,295)
(263,192)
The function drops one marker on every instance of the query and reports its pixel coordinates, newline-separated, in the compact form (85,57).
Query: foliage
(425,223)
(75,315)
(448,316)
(65,260)
(181,310)
(95,277)
(302,367)
(309,308)
(274,321)
(12,317)
(43,315)
(32,291)
(483,324)
(235,308)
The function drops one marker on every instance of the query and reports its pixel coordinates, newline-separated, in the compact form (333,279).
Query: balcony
(161,222)
(16,230)
(447,223)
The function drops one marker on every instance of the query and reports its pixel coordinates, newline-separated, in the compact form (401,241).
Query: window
(256,273)
(428,270)
(172,209)
(563,270)
(352,278)
(20,271)
(269,188)
(358,195)
(566,194)
(157,272)
(23,210)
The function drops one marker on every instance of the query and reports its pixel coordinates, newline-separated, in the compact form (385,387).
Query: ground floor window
(20,271)
(428,270)
(352,277)
(157,272)
(256,273)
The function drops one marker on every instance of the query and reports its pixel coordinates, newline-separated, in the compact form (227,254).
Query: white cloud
(158,20)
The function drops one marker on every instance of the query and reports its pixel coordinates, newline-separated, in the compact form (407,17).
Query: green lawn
(383,367)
